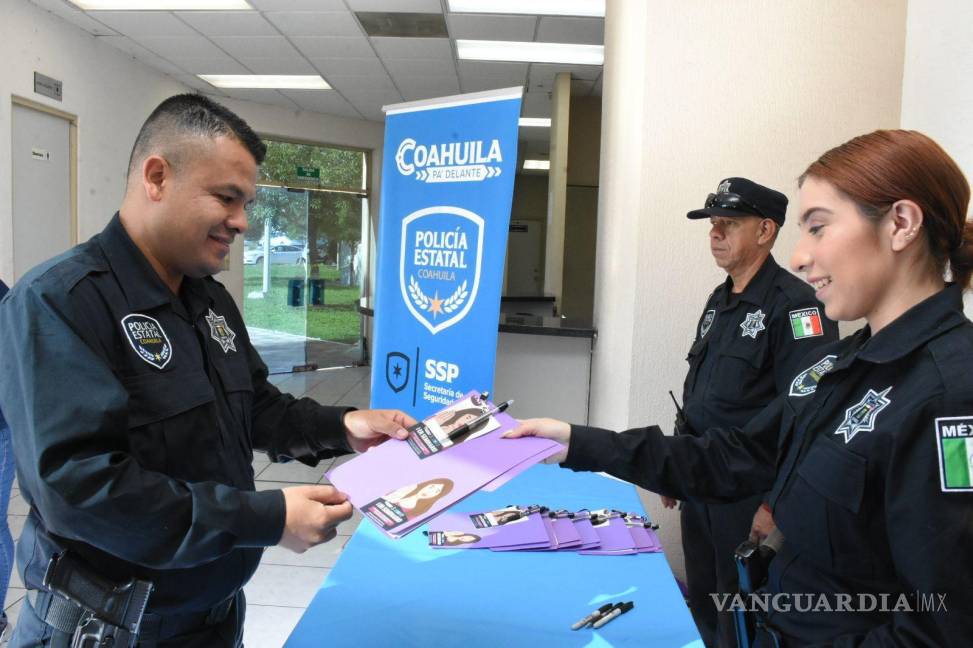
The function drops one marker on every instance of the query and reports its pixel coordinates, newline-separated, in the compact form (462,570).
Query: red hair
(878,169)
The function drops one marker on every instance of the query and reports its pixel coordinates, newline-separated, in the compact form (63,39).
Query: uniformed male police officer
(754,330)
(136,399)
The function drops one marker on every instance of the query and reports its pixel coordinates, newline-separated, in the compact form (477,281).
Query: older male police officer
(754,330)
(136,398)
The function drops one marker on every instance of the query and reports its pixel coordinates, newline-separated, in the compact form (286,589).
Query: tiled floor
(285,582)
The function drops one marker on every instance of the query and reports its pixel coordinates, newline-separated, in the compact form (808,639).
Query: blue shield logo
(397,371)
(439,266)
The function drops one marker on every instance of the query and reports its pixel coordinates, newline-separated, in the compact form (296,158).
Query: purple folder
(613,533)
(398,491)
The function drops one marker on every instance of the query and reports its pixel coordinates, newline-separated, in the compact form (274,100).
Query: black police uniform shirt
(748,345)
(135,413)
(868,458)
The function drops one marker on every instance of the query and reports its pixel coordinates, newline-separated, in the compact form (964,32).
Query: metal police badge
(397,371)
(708,318)
(220,331)
(147,338)
(439,266)
(806,382)
(753,324)
(860,417)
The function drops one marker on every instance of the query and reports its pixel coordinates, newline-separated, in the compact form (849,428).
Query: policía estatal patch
(806,382)
(148,339)
(707,322)
(954,446)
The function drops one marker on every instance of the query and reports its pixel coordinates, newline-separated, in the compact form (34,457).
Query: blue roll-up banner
(447,185)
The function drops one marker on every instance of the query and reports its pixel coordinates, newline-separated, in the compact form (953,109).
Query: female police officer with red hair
(872,481)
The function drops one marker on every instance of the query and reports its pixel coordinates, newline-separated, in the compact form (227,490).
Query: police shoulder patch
(806,382)
(806,323)
(954,447)
(148,339)
(707,322)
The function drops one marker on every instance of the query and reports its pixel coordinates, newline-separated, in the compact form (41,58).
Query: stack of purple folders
(535,528)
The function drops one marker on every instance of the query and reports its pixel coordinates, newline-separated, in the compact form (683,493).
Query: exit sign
(308,172)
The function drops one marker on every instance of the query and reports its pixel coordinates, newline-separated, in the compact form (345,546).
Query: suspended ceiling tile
(486,27)
(494,69)
(315,23)
(278,65)
(322,101)
(416,88)
(420,67)
(209,65)
(337,47)
(181,46)
(372,100)
(143,23)
(536,104)
(361,82)
(298,5)
(198,84)
(405,6)
(477,84)
(228,23)
(257,46)
(350,66)
(412,48)
(583,31)
(141,54)
(261,95)
(76,17)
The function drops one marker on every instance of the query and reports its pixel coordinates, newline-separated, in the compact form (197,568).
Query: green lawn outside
(338,320)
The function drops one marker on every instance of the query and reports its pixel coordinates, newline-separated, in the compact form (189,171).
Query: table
(386,592)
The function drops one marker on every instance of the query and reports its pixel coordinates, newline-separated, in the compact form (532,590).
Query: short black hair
(187,116)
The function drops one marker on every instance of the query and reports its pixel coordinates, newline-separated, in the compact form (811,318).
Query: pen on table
(466,427)
(594,616)
(619,610)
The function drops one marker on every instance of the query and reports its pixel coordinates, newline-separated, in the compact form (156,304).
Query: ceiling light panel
(571,54)
(535,122)
(586,8)
(295,82)
(537,165)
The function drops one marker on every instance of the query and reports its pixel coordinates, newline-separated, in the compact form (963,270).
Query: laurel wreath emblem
(422,301)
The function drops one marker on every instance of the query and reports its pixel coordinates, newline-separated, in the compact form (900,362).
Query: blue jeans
(6,479)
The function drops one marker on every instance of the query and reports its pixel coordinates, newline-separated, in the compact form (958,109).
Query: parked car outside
(279,254)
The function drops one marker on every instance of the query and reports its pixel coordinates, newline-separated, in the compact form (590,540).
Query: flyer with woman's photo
(399,485)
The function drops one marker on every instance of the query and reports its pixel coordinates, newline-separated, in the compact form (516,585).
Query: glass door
(275,277)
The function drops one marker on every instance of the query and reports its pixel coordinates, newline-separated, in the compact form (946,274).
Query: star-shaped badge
(753,324)
(220,331)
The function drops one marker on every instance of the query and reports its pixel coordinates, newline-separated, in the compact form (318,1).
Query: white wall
(108,91)
(756,88)
(937,87)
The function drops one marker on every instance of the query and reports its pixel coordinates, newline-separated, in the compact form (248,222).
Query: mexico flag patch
(954,439)
(806,323)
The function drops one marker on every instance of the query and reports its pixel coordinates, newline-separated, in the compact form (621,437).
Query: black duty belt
(63,615)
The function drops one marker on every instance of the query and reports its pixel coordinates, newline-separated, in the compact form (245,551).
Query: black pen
(594,616)
(619,610)
(466,427)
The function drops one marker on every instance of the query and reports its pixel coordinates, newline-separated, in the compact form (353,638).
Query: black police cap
(742,197)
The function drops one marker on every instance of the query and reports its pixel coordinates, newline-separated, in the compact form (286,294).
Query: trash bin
(295,292)
(317,292)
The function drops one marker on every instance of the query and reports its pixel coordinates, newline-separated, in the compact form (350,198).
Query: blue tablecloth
(386,592)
